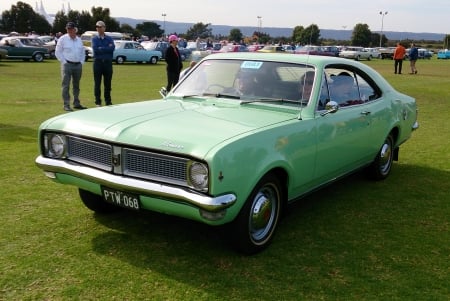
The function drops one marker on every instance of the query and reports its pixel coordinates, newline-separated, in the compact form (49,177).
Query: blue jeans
(71,72)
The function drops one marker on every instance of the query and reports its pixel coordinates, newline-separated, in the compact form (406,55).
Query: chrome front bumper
(51,167)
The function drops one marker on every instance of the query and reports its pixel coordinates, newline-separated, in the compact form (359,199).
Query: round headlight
(198,176)
(56,146)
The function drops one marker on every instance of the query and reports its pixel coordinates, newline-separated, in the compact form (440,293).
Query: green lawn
(354,240)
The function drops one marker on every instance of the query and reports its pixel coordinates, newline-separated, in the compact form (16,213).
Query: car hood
(176,126)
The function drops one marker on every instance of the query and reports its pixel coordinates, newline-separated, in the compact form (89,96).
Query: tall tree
(306,36)
(447,41)
(103,14)
(149,29)
(261,37)
(199,30)
(361,35)
(22,18)
(235,35)
(130,30)
(60,21)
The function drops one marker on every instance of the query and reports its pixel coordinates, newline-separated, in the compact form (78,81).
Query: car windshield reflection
(249,80)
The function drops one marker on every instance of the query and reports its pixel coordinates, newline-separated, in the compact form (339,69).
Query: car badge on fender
(172,145)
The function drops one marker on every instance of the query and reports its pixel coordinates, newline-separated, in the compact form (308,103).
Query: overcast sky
(403,15)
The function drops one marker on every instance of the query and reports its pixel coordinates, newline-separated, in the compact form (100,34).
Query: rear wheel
(381,166)
(254,227)
(153,60)
(120,60)
(96,203)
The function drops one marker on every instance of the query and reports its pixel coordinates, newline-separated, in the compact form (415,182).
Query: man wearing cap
(103,49)
(70,52)
(174,62)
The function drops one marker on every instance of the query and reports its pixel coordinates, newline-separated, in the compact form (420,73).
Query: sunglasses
(98,26)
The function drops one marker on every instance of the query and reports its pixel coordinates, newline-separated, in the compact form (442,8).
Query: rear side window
(348,87)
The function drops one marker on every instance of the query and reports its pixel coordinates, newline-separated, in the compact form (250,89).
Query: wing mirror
(330,107)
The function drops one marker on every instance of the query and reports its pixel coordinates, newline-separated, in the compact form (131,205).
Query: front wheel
(153,60)
(38,57)
(96,203)
(381,166)
(254,227)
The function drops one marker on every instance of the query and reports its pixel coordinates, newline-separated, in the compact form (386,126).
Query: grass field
(354,240)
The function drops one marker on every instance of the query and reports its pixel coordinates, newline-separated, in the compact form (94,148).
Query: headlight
(198,176)
(55,145)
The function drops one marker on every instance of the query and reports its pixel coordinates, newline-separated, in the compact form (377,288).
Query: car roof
(317,61)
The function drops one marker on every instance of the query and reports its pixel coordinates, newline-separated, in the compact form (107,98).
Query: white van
(87,36)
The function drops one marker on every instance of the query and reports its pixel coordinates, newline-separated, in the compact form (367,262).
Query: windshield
(249,80)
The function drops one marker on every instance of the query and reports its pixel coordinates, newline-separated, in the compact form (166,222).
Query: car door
(343,137)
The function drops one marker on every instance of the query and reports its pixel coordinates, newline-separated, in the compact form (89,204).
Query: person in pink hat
(174,63)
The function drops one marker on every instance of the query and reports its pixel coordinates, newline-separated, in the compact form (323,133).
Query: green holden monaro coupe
(241,136)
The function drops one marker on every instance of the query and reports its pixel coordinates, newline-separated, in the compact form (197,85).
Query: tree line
(22,18)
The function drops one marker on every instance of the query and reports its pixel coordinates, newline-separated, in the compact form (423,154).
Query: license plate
(120,198)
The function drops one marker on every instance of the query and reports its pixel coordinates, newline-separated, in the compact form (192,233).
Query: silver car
(356,53)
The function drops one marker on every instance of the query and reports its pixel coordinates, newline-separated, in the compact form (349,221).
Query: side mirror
(330,107)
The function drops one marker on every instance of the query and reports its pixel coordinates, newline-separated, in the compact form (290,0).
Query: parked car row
(162,46)
(318,50)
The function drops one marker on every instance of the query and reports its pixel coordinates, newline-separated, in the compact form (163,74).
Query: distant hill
(224,30)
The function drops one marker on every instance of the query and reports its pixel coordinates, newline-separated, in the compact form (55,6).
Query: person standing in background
(413,56)
(399,55)
(103,49)
(174,63)
(70,52)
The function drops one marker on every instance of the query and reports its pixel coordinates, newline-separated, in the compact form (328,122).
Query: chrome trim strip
(135,185)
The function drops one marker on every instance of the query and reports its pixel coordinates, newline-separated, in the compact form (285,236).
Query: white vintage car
(356,53)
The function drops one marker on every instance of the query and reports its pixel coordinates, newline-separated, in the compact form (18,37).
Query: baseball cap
(100,24)
(70,25)
(173,38)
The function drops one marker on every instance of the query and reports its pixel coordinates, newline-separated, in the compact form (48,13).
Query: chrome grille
(134,163)
(154,166)
(90,153)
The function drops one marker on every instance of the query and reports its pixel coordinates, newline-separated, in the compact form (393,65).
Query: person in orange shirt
(399,55)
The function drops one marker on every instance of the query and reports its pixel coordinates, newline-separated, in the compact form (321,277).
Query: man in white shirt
(70,52)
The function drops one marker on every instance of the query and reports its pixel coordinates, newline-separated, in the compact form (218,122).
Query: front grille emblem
(116,160)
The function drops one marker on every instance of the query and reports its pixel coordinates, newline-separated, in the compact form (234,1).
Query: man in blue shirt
(103,49)
(413,56)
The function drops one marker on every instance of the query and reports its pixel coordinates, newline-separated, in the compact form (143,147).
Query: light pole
(164,23)
(382,23)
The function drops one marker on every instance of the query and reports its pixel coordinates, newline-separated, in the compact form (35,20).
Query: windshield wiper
(302,102)
(190,95)
(233,96)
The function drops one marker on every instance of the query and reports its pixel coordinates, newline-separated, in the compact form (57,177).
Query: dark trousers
(102,68)
(398,66)
(172,79)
